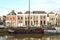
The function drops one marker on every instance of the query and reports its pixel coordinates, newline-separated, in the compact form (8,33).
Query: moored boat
(51,30)
(24,30)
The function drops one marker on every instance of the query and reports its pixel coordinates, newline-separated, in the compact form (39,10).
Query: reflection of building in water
(35,38)
(2,38)
(55,37)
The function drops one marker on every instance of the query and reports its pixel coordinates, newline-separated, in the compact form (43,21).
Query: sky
(23,5)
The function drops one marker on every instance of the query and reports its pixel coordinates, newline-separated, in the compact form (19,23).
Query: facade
(52,18)
(4,20)
(35,18)
(58,18)
(11,19)
(27,18)
(0,18)
(32,19)
(1,21)
(40,18)
(20,19)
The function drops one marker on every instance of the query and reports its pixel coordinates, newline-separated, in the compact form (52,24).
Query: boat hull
(26,31)
(52,31)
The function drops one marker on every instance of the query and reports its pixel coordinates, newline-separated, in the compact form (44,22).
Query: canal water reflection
(30,37)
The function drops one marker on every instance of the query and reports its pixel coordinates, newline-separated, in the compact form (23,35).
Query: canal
(6,36)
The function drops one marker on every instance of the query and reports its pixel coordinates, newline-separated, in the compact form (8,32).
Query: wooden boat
(24,30)
(35,30)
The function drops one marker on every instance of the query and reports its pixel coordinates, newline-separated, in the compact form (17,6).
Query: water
(4,36)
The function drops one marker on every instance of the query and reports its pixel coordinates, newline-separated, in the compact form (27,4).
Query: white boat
(10,30)
(2,26)
(58,30)
(52,31)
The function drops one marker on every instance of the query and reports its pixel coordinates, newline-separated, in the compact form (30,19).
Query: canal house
(11,19)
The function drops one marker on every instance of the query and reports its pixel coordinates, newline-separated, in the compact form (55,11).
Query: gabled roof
(20,13)
(12,13)
(27,12)
(47,15)
(56,14)
(51,12)
(39,12)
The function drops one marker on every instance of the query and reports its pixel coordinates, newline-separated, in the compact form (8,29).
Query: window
(28,23)
(10,18)
(34,22)
(0,19)
(35,17)
(26,17)
(31,23)
(31,17)
(44,22)
(37,22)
(20,21)
(44,17)
(40,22)
(18,17)
(51,18)
(14,18)
(25,22)
(40,17)
(21,17)
(7,18)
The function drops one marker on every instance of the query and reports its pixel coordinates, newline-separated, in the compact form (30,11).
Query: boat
(35,30)
(51,30)
(24,30)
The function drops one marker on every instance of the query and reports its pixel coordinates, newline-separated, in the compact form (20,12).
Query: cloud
(54,0)
(36,5)
(45,5)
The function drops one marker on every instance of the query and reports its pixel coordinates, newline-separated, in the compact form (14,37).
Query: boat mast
(29,16)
